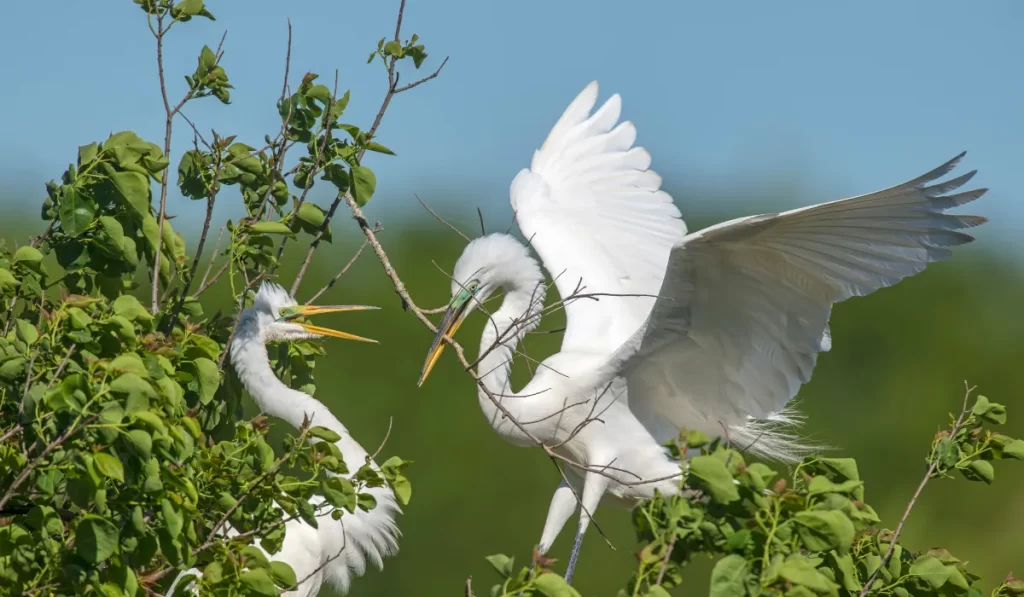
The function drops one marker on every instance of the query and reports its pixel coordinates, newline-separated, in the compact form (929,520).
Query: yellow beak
(453,318)
(307,310)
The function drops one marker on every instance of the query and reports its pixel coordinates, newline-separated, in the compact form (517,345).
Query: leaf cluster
(123,459)
(810,533)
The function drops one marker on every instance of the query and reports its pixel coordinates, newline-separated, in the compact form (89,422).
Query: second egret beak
(289,313)
(450,323)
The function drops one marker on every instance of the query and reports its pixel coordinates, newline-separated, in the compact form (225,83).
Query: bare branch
(423,80)
(338,276)
(213,256)
(440,219)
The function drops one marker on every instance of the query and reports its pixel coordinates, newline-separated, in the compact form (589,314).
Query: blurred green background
(898,365)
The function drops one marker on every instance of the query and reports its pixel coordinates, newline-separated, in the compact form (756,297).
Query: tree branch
(913,500)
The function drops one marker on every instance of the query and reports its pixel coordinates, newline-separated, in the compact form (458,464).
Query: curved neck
(250,359)
(519,314)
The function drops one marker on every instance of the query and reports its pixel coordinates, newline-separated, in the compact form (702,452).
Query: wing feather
(744,308)
(594,212)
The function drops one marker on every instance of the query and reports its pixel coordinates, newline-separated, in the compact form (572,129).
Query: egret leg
(573,556)
(594,486)
(563,504)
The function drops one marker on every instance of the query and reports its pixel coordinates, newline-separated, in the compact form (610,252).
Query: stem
(913,500)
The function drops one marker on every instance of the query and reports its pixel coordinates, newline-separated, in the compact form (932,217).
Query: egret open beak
(450,323)
(307,310)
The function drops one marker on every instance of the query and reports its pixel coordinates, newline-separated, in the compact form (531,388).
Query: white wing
(745,305)
(595,214)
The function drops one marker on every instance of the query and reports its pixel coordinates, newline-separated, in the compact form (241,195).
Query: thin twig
(338,276)
(203,287)
(480,214)
(213,256)
(664,560)
(913,500)
(440,219)
(384,441)
(424,79)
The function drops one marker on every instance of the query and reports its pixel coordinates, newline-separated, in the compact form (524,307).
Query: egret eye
(473,285)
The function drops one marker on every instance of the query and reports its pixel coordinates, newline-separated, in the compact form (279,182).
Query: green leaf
(374,146)
(133,190)
(130,308)
(282,574)
(130,383)
(184,10)
(26,331)
(86,153)
(802,572)
(980,470)
(208,378)
(95,539)
(259,582)
(728,578)
(402,488)
(151,420)
(130,362)
(996,413)
(328,435)
(1014,449)
(312,214)
(109,465)
(820,485)
(27,254)
(713,476)
(848,572)
(364,183)
(270,228)
(930,570)
(696,439)
(172,520)
(502,563)
(76,212)
(553,585)
(823,530)
(141,441)
(113,229)
(7,280)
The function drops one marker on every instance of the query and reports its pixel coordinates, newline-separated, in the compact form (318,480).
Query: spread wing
(745,305)
(595,214)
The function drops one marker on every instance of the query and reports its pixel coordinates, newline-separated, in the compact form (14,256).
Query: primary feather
(746,305)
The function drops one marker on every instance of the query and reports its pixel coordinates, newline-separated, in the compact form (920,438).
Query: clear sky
(843,98)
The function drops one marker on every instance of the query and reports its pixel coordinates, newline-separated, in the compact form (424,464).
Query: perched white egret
(728,324)
(337,550)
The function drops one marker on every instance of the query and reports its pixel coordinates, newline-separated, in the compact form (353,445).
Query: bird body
(713,331)
(337,550)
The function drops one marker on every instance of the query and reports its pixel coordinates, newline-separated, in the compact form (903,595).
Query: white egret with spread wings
(712,331)
(337,550)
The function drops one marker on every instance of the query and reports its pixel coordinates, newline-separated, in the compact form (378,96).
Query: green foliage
(122,458)
(809,534)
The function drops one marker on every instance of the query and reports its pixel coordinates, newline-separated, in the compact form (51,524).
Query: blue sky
(837,98)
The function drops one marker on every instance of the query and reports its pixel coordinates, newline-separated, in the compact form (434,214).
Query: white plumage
(728,325)
(337,550)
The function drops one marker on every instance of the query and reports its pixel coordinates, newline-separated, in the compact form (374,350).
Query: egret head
(487,263)
(274,315)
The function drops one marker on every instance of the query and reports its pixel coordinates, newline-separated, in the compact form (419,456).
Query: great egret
(712,331)
(337,550)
